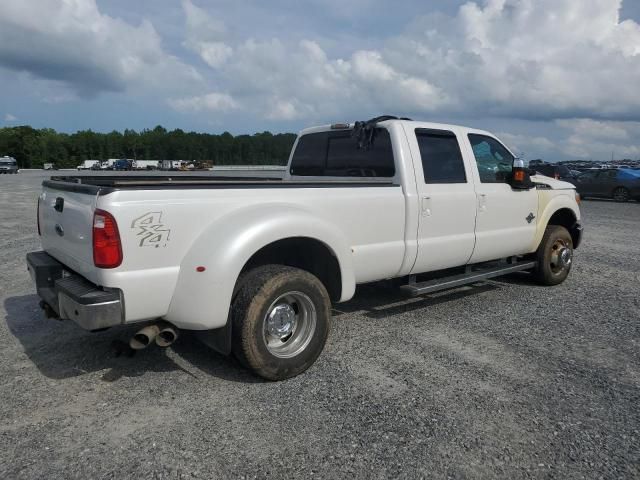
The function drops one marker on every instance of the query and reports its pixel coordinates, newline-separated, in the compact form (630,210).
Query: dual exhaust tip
(163,333)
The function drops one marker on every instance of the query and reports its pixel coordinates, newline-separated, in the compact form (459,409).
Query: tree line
(34,147)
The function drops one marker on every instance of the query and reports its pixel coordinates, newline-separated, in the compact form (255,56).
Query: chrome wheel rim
(561,256)
(289,324)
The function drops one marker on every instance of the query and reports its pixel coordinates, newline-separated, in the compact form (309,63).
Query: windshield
(7,162)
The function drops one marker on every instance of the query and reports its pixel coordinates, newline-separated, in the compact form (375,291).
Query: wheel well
(305,253)
(567,219)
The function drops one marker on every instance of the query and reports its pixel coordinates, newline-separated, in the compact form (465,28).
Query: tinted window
(588,175)
(441,157)
(606,174)
(545,170)
(493,160)
(336,154)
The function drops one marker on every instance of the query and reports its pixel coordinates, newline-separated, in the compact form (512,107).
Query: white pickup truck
(254,264)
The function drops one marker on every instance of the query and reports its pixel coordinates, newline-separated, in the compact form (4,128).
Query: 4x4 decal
(152,232)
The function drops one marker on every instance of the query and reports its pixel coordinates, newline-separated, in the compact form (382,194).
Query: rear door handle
(426,206)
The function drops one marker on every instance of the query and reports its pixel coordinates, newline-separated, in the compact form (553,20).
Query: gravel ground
(501,380)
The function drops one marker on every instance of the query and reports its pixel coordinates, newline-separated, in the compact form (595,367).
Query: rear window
(336,154)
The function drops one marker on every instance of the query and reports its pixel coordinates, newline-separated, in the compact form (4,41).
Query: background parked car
(621,184)
(559,172)
(8,165)
(123,164)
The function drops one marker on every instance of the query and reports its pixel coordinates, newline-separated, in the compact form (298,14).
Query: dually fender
(201,298)
(548,206)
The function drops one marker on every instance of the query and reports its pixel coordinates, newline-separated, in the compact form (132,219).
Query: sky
(554,79)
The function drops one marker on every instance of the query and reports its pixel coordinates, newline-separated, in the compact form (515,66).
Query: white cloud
(601,139)
(205,34)
(72,43)
(10,118)
(530,59)
(526,145)
(212,102)
(597,129)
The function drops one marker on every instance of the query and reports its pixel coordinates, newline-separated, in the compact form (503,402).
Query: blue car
(621,184)
(123,165)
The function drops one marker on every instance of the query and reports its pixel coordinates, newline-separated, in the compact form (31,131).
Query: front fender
(201,299)
(549,203)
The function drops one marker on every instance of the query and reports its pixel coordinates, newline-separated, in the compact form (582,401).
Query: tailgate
(66,225)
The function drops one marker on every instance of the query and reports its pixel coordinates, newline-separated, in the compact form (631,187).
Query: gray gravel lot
(501,380)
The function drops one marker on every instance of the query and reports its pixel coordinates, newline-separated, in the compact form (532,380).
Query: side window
(607,174)
(493,160)
(336,154)
(544,170)
(309,156)
(441,157)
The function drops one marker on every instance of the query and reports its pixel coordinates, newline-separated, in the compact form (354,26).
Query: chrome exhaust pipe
(145,337)
(167,335)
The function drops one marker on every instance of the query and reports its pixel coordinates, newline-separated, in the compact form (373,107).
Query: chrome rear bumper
(73,297)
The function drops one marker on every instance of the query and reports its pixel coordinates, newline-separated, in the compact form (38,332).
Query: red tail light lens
(107,249)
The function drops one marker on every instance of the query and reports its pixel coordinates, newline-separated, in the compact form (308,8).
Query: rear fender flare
(201,300)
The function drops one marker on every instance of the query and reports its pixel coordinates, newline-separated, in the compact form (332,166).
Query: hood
(552,182)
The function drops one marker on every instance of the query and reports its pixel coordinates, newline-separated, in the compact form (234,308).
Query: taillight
(107,250)
(38,215)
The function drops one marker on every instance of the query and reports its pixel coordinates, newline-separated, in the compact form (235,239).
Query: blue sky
(555,79)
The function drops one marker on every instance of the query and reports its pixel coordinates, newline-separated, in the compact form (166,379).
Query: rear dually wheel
(280,321)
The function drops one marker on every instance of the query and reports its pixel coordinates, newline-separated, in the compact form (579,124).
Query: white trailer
(87,164)
(145,164)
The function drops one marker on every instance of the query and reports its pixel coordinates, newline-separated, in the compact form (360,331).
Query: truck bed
(106,184)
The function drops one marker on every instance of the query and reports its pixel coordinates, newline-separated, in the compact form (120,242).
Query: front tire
(621,194)
(280,321)
(554,256)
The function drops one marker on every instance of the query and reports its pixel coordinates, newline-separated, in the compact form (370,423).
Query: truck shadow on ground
(379,300)
(61,349)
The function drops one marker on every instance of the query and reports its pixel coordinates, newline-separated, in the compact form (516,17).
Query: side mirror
(520,176)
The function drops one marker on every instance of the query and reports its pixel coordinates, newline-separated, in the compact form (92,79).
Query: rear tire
(280,321)
(554,256)
(621,194)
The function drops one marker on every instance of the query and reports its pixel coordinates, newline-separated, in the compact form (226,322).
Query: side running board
(470,276)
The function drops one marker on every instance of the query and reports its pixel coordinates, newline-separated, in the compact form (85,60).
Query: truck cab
(461,203)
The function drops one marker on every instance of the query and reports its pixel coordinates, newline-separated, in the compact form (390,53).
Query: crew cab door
(506,220)
(447,200)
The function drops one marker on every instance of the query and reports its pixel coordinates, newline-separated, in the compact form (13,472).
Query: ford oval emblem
(59,230)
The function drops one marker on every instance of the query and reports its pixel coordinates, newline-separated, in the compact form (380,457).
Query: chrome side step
(470,276)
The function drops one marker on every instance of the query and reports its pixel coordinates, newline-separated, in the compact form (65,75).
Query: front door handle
(482,202)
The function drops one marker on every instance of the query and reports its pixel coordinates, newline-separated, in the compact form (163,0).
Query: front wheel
(280,321)
(554,256)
